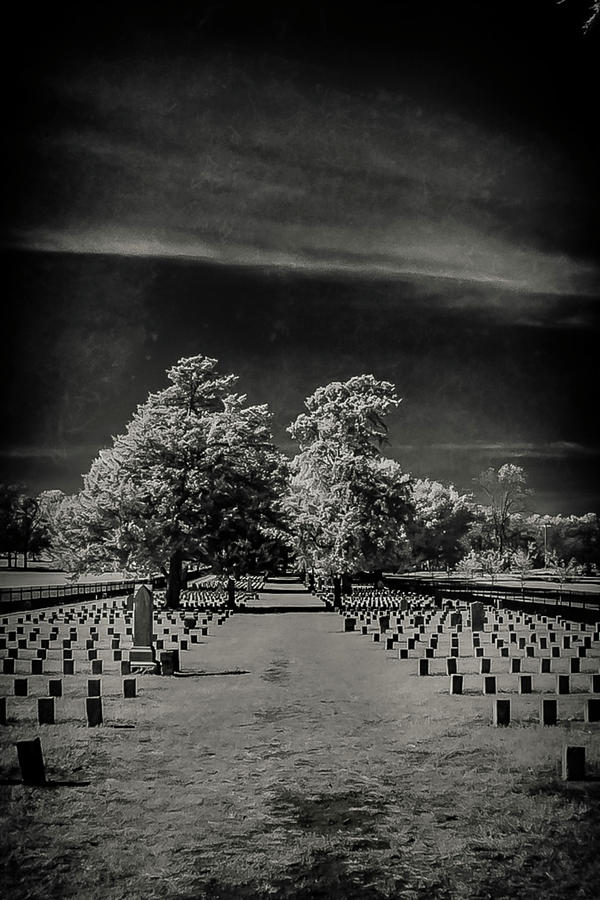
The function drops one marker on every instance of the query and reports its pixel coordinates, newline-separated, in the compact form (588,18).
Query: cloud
(528,273)
(552,450)
(42,452)
(263,166)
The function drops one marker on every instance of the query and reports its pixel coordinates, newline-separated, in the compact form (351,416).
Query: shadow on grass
(207,674)
(47,784)
(348,811)
(323,876)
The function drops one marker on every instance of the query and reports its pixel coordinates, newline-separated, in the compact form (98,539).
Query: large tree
(195,477)
(506,493)
(440,522)
(348,503)
(23,529)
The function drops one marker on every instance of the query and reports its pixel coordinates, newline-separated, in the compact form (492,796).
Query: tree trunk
(311,582)
(337,591)
(346,584)
(231,593)
(377,576)
(174,580)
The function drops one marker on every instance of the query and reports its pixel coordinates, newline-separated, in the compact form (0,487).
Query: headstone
(515,665)
(545,664)
(525,684)
(2,710)
(423,667)
(451,666)
(31,761)
(129,687)
(574,665)
(37,666)
(549,711)
(485,666)
(573,763)
(595,685)
(563,684)
(456,684)
(20,687)
(169,662)
(94,687)
(55,687)
(477,616)
(96,667)
(141,656)
(591,712)
(93,708)
(489,684)
(502,712)
(46,711)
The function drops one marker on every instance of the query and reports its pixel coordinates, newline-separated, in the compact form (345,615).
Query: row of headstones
(489,685)
(388,601)
(92,641)
(46,705)
(548,714)
(33,771)
(475,619)
(421,623)
(525,681)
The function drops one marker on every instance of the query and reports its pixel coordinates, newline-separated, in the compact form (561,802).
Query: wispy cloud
(553,450)
(213,162)
(528,273)
(44,452)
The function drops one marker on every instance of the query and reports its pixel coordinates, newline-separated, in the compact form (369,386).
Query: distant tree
(569,537)
(562,569)
(22,528)
(440,522)
(522,562)
(196,476)
(506,493)
(348,504)
(492,563)
(9,501)
(469,565)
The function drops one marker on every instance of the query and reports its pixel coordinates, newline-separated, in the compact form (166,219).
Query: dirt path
(296,761)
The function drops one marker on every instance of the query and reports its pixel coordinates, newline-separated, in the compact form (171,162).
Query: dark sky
(306,194)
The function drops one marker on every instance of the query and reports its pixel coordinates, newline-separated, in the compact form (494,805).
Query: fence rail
(37,596)
(559,597)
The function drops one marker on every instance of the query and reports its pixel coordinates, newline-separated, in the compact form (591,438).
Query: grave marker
(456,684)
(549,711)
(93,707)
(573,763)
(591,712)
(31,762)
(141,656)
(502,712)
(477,616)
(46,711)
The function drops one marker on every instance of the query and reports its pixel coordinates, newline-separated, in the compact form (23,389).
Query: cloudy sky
(307,196)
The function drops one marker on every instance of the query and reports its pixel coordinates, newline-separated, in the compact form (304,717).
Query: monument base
(142,661)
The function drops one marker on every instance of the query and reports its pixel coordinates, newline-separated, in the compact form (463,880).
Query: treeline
(197,480)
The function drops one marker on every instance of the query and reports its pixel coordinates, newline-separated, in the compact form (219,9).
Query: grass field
(298,761)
